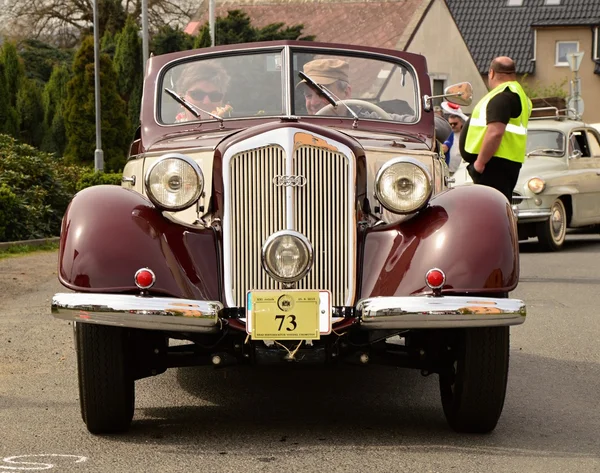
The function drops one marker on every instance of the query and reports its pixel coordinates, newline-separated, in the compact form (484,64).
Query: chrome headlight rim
(391,163)
(537,179)
(194,166)
(308,246)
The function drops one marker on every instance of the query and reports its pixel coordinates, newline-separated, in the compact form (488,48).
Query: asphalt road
(375,419)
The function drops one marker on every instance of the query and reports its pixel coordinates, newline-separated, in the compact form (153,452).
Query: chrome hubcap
(557,222)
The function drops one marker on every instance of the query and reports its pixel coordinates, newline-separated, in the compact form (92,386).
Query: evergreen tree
(168,40)
(80,111)
(129,69)
(40,58)
(13,74)
(108,43)
(202,40)
(14,71)
(237,27)
(4,104)
(30,112)
(53,100)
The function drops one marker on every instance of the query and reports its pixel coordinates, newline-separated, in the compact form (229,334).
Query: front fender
(469,232)
(109,232)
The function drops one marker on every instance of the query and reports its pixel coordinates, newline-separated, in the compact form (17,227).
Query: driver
(333,74)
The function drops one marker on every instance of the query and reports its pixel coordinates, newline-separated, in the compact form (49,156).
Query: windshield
(545,142)
(252,84)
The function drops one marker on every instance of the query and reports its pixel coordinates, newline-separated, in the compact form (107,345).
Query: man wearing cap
(333,74)
(456,120)
(494,139)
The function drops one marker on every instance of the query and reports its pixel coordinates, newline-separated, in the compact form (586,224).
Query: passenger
(203,85)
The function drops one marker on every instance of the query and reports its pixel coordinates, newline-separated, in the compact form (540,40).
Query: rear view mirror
(460,94)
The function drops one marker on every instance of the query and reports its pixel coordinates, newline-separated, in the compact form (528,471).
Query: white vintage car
(559,183)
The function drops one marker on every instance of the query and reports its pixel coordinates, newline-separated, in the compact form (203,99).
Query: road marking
(34,466)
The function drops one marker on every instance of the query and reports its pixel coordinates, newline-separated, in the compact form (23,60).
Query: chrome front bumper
(439,312)
(187,315)
(152,313)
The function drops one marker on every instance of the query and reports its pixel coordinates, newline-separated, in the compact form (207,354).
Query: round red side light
(435,278)
(144,278)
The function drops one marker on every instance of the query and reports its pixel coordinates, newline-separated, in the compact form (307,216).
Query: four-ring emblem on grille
(289,181)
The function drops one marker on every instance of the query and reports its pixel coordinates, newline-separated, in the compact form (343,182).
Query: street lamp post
(145,47)
(211,21)
(98,154)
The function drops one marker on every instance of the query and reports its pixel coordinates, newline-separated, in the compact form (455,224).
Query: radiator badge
(289,181)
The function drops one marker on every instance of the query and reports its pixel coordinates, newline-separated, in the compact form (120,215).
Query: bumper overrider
(378,313)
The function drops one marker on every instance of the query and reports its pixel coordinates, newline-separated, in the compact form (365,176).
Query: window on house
(596,43)
(551,2)
(562,49)
(514,3)
(438,89)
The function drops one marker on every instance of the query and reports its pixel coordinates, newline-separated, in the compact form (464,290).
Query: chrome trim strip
(529,214)
(439,312)
(152,313)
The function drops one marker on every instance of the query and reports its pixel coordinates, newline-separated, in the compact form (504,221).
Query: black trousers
(499,173)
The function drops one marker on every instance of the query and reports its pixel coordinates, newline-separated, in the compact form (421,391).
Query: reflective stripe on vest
(514,140)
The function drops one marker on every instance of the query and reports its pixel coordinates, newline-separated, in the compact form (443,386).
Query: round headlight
(403,185)
(536,185)
(174,182)
(287,256)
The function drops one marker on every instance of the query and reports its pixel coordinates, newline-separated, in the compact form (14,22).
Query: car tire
(106,386)
(551,233)
(473,384)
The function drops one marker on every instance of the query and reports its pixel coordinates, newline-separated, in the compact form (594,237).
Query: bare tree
(63,22)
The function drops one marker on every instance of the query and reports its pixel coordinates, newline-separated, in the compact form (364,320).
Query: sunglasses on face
(198,95)
(453,123)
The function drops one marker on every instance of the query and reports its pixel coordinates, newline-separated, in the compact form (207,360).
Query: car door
(583,168)
(593,137)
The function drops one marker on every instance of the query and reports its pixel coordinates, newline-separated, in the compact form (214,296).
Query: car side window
(594,143)
(578,142)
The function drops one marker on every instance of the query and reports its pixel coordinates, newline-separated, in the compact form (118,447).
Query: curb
(38,242)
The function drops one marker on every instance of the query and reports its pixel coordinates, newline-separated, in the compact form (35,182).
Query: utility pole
(145,48)
(98,154)
(211,20)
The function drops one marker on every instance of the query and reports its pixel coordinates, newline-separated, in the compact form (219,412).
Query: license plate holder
(295,314)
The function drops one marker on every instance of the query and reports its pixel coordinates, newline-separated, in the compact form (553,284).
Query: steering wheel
(328,109)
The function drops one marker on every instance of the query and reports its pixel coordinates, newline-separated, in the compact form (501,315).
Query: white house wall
(439,40)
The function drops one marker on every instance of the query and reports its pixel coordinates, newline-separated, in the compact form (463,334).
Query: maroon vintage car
(287,202)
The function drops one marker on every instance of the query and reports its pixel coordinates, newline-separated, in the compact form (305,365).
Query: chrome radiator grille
(321,210)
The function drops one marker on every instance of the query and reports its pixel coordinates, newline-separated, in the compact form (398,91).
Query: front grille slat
(320,212)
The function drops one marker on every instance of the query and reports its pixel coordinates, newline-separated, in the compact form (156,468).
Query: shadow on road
(574,242)
(240,408)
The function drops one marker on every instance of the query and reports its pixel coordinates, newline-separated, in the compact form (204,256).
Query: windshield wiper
(190,106)
(544,151)
(328,94)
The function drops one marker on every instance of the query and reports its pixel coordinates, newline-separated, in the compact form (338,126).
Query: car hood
(541,166)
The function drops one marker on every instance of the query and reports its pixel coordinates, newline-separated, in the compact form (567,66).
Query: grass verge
(18,250)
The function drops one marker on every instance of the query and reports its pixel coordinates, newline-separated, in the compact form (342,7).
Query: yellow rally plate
(284,315)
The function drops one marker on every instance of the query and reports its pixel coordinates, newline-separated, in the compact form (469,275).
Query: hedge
(35,189)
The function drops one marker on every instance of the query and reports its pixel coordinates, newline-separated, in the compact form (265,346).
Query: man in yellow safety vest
(493,140)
